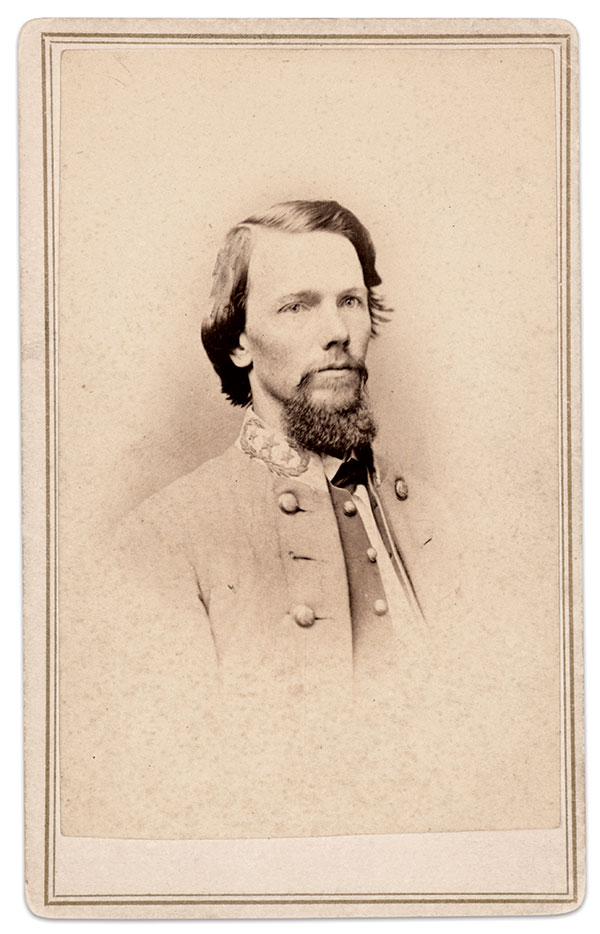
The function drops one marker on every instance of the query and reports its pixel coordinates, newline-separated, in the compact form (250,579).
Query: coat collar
(282,457)
(264,443)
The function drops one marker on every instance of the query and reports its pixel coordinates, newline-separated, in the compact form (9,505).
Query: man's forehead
(320,260)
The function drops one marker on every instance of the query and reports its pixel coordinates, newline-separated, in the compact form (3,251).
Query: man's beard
(327,429)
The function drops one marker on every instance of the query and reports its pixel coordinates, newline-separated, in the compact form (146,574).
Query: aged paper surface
(225,756)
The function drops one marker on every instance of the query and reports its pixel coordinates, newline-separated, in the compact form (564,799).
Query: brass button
(288,503)
(380,607)
(372,555)
(349,508)
(401,488)
(303,615)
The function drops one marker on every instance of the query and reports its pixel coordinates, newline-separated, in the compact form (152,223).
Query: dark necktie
(350,474)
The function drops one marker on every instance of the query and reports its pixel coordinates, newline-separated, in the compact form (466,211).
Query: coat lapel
(424,537)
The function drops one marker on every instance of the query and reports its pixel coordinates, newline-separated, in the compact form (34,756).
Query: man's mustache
(349,364)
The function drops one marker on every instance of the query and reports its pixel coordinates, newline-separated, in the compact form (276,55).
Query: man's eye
(294,307)
(351,301)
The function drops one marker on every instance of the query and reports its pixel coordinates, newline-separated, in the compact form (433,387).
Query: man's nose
(333,325)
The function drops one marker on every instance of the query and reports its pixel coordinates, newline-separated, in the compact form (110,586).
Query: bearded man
(274,634)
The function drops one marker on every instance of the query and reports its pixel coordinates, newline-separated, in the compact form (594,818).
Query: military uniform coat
(205,706)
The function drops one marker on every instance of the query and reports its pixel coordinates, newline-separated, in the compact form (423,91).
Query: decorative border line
(317,37)
(565,435)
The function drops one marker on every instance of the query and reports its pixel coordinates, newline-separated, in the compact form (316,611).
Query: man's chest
(275,581)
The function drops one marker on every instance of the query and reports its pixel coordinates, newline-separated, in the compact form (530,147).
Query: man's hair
(221,329)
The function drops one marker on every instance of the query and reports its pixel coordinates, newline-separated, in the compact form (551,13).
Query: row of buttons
(305,616)
(288,502)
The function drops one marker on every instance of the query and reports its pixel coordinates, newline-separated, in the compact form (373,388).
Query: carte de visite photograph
(301,468)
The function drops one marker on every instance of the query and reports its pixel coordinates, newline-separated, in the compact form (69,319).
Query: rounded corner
(581,897)
(571,28)
(36,908)
(32,25)
(578,901)
(31,32)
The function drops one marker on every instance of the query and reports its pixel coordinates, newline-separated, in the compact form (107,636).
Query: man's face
(307,319)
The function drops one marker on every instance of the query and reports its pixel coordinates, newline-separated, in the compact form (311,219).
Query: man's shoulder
(412,496)
(407,482)
(210,477)
(207,493)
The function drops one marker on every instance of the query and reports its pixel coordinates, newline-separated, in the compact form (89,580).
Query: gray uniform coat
(202,708)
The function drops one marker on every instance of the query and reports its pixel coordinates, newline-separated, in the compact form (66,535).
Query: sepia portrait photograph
(301,467)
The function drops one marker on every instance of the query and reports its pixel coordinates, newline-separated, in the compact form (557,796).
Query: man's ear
(241,355)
